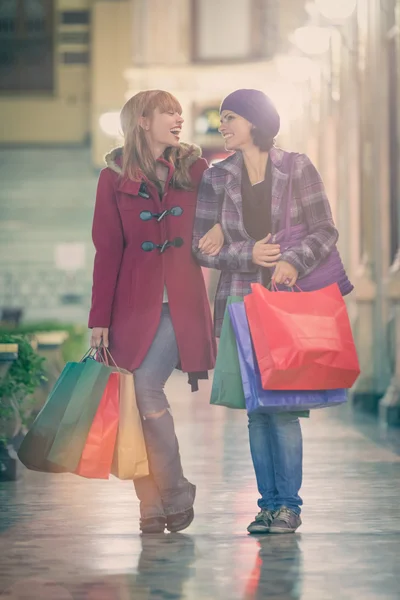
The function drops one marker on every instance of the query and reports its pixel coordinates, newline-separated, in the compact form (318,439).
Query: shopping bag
(303,341)
(97,454)
(75,424)
(130,456)
(227,387)
(270,401)
(36,445)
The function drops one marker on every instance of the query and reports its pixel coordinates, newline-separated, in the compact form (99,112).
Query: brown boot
(180,521)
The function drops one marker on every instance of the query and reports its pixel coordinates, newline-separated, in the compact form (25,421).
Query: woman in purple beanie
(239,211)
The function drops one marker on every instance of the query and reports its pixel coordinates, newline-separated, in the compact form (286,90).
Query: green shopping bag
(37,443)
(227,389)
(75,424)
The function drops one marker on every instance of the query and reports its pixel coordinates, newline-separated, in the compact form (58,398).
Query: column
(152,20)
(370,291)
(389,408)
(363,394)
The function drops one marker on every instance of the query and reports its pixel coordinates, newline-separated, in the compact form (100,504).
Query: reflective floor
(62,537)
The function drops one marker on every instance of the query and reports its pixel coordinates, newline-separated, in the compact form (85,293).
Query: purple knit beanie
(256,107)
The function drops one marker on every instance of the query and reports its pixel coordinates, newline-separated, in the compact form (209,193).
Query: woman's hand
(285,273)
(212,242)
(265,254)
(99,336)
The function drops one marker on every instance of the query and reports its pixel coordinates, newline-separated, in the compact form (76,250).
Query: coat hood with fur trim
(114,158)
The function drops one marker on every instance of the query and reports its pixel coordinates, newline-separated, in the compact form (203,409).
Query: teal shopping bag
(37,443)
(79,414)
(227,388)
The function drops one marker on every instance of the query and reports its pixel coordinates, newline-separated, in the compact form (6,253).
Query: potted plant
(58,343)
(20,378)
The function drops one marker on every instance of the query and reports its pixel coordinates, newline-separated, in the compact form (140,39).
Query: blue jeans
(165,491)
(277,451)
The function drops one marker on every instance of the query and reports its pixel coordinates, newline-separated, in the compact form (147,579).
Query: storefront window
(26,45)
(224,30)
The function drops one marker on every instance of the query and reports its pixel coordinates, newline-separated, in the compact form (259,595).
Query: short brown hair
(262,140)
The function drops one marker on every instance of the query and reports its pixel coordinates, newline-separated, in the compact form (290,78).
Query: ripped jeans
(165,491)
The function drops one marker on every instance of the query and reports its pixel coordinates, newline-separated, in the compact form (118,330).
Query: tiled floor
(62,537)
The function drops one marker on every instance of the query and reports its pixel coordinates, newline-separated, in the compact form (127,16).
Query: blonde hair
(137,159)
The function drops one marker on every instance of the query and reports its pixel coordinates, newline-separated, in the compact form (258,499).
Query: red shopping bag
(98,452)
(303,341)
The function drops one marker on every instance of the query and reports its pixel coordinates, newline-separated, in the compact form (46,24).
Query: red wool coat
(128,282)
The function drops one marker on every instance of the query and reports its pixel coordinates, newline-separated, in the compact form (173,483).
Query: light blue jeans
(277,451)
(165,491)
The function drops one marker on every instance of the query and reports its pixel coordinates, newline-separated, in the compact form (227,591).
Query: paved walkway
(62,537)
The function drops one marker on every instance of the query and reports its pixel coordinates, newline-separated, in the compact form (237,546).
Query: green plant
(23,377)
(72,349)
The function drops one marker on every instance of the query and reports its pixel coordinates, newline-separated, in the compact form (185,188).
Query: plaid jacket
(220,201)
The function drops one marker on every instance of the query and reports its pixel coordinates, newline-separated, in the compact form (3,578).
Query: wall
(62,117)
(112,30)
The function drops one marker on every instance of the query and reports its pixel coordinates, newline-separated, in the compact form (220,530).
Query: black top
(257,200)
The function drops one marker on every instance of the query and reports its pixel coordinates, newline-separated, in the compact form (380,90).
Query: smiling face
(161,121)
(164,128)
(151,122)
(235,130)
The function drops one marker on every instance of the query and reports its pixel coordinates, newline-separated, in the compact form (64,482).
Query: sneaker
(262,522)
(285,521)
(152,525)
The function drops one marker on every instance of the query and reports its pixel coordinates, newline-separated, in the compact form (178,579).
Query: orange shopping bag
(97,455)
(303,341)
(130,456)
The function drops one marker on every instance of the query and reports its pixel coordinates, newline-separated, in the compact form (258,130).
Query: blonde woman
(149,302)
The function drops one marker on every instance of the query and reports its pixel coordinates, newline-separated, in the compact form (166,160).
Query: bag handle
(91,353)
(102,353)
(105,354)
(94,354)
(274,287)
